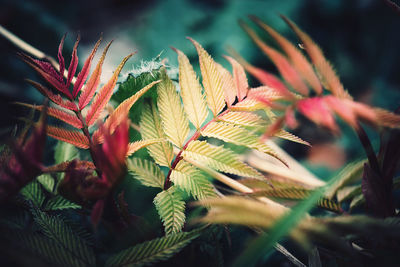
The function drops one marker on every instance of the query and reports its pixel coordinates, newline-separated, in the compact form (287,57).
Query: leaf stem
(366,143)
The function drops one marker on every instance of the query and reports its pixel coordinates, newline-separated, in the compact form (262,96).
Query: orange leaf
(53,97)
(91,85)
(239,78)
(85,71)
(104,95)
(280,61)
(66,166)
(121,112)
(73,137)
(73,64)
(64,116)
(300,63)
(387,118)
(317,57)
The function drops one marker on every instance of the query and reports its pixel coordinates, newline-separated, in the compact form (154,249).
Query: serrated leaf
(152,251)
(238,136)
(148,173)
(219,158)
(227,84)
(75,138)
(212,81)
(192,180)
(239,78)
(193,99)
(34,192)
(91,85)
(297,58)
(291,137)
(347,192)
(104,95)
(150,128)
(171,208)
(324,68)
(357,201)
(173,117)
(135,146)
(60,203)
(62,115)
(245,119)
(58,231)
(287,71)
(121,112)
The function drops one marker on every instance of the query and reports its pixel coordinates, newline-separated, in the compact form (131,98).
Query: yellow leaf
(227,84)
(212,80)
(173,117)
(193,99)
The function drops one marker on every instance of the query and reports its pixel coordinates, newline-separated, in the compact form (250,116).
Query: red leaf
(341,109)
(97,212)
(280,61)
(300,63)
(317,111)
(73,137)
(58,114)
(61,61)
(85,71)
(91,85)
(53,97)
(73,64)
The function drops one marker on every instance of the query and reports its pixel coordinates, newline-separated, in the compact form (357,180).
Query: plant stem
(366,143)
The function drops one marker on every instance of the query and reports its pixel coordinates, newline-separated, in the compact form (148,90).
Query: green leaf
(148,173)
(173,117)
(192,180)
(34,192)
(65,152)
(60,203)
(219,158)
(46,181)
(171,208)
(58,231)
(150,128)
(153,251)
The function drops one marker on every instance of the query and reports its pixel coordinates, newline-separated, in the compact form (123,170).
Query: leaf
(104,95)
(173,117)
(91,85)
(62,115)
(245,119)
(60,203)
(150,128)
(192,180)
(193,99)
(121,112)
(135,146)
(322,65)
(171,208)
(57,99)
(291,137)
(47,182)
(239,78)
(212,81)
(85,71)
(73,64)
(238,136)
(34,192)
(148,173)
(65,152)
(299,61)
(153,251)
(57,230)
(227,84)
(73,137)
(316,110)
(219,158)
(287,71)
